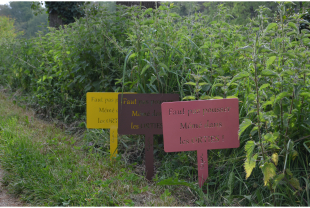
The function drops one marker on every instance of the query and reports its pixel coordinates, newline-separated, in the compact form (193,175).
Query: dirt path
(7,200)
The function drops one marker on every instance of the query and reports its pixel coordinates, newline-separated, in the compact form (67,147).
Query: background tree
(63,13)
(24,19)
(7,30)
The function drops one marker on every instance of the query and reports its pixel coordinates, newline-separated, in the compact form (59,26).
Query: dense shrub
(157,51)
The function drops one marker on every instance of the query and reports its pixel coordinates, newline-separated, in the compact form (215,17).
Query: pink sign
(200,125)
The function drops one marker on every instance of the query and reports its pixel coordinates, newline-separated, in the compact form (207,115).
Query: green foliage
(7,30)
(264,63)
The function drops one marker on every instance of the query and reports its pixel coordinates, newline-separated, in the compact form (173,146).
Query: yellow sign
(102,113)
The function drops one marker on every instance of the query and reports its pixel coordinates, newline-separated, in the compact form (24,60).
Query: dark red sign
(200,125)
(141,114)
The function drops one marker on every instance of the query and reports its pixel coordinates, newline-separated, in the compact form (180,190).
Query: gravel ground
(7,200)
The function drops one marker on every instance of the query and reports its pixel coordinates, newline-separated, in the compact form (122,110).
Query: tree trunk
(54,20)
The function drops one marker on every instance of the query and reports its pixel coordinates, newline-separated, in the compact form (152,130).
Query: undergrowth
(50,168)
(264,64)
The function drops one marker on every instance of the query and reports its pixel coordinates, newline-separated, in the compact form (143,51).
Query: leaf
(190,83)
(269,171)
(295,182)
(232,96)
(240,75)
(292,25)
(270,137)
(132,56)
(249,165)
(149,10)
(264,86)
(159,49)
(218,85)
(249,148)
(246,48)
(270,26)
(275,158)
(267,103)
(277,179)
(270,60)
(145,68)
(254,130)
(217,97)
(281,96)
(189,98)
(288,172)
(268,73)
(164,66)
(304,94)
(245,124)
(205,97)
(203,83)
(231,182)
(294,154)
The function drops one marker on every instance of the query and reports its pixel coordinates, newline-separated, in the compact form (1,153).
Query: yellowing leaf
(295,154)
(249,165)
(205,97)
(189,98)
(294,182)
(275,158)
(288,172)
(190,83)
(232,96)
(269,171)
(217,97)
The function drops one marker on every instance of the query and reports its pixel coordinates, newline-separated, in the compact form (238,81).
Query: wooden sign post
(141,114)
(200,125)
(102,113)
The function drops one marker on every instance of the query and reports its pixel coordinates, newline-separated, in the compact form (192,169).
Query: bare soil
(6,199)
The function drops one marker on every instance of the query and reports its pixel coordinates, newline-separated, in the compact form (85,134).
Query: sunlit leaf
(189,98)
(269,171)
(190,83)
(217,97)
(275,158)
(249,165)
(205,97)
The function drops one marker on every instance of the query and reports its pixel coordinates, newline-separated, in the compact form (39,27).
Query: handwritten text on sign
(141,114)
(200,125)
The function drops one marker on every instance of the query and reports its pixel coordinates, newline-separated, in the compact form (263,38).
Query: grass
(46,167)
(49,166)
